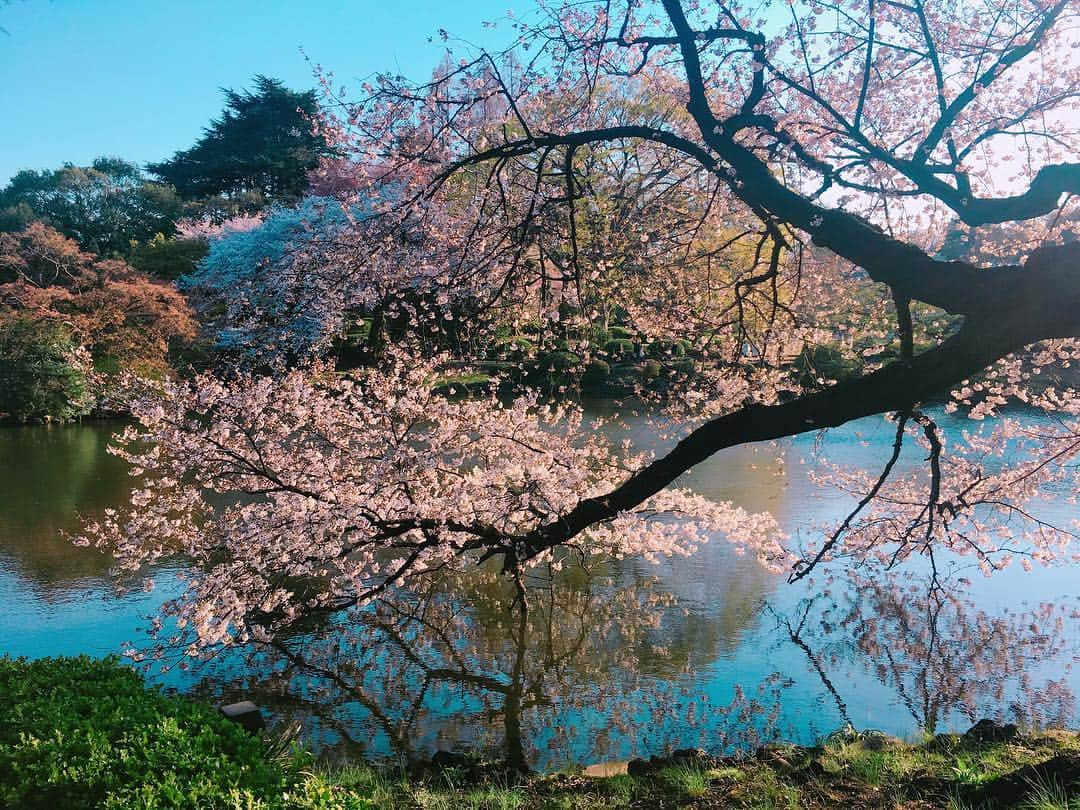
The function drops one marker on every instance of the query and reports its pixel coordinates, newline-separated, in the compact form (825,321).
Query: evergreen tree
(261,145)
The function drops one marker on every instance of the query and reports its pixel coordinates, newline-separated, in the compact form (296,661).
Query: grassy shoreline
(1037,771)
(87,733)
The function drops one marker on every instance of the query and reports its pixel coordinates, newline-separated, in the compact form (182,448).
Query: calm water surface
(623,660)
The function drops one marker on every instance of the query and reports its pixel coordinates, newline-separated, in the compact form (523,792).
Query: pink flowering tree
(336,488)
(263,291)
(797,188)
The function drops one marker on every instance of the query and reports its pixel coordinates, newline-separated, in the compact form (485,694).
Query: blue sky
(139,80)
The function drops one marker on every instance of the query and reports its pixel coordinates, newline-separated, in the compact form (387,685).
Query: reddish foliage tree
(114,311)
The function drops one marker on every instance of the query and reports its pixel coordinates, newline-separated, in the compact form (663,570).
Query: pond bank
(1000,769)
(84,732)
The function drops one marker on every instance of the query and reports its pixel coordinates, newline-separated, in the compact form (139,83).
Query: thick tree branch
(955,286)
(1047,309)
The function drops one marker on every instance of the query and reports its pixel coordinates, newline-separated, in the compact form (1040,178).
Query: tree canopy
(255,300)
(263,143)
(798,186)
(104,206)
(119,318)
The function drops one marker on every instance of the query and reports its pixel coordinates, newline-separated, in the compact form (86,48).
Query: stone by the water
(987,730)
(246,714)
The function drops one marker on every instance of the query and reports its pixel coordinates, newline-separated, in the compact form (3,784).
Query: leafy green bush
(37,378)
(594,334)
(619,347)
(557,361)
(531,328)
(824,362)
(667,348)
(621,333)
(514,346)
(596,373)
(682,366)
(651,370)
(82,733)
(107,364)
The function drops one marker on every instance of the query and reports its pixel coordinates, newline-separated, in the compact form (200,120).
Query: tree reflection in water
(589,664)
(947,662)
(608,662)
(53,477)
(576,668)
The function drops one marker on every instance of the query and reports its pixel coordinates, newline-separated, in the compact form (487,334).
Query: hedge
(87,733)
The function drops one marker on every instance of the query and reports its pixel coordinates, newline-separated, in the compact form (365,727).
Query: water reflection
(575,667)
(947,662)
(52,476)
(594,668)
(607,662)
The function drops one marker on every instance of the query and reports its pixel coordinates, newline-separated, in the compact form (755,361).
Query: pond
(610,662)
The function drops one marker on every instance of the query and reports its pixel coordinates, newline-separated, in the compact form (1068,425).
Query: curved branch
(897,387)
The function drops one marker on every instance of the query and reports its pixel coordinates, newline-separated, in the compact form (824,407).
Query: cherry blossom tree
(350,484)
(258,288)
(829,146)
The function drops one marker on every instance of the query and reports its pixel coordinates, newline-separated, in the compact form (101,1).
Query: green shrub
(83,733)
(515,345)
(595,335)
(37,378)
(621,333)
(619,348)
(682,366)
(651,370)
(107,364)
(667,348)
(558,361)
(824,362)
(596,373)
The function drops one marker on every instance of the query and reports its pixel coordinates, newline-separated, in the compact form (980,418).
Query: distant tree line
(87,253)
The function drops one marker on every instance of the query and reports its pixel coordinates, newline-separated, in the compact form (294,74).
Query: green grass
(1052,795)
(483,798)
(687,780)
(471,379)
(80,733)
(971,771)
